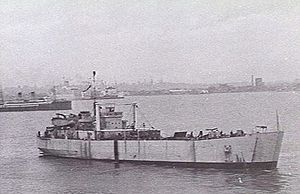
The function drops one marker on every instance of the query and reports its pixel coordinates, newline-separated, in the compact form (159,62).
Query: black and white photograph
(149,96)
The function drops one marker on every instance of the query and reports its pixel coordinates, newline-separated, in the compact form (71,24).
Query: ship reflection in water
(105,177)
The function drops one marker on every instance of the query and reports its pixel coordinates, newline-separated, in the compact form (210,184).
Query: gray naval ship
(106,136)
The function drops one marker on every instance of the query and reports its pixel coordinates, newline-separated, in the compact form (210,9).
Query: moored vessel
(33,103)
(40,105)
(108,93)
(107,136)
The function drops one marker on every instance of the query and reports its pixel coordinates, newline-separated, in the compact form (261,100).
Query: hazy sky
(202,41)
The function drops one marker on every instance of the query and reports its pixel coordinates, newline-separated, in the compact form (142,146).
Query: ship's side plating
(258,150)
(54,105)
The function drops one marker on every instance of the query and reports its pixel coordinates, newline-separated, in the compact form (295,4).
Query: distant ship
(107,136)
(109,92)
(34,104)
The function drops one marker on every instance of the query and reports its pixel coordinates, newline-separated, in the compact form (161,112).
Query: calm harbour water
(23,171)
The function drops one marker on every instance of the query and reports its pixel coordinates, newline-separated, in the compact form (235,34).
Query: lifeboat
(61,120)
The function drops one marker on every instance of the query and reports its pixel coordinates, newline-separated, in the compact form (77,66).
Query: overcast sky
(204,41)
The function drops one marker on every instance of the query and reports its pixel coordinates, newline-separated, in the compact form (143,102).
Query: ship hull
(55,105)
(259,150)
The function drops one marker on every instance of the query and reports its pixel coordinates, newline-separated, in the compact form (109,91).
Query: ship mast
(1,96)
(277,121)
(94,92)
(98,118)
(134,118)
(53,90)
